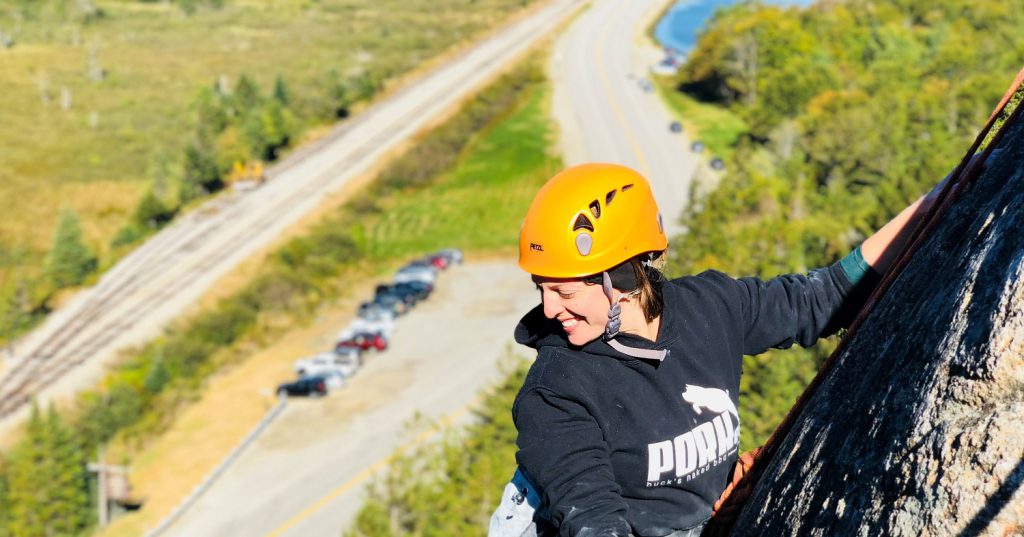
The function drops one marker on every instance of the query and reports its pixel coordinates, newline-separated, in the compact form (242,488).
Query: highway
(602,111)
(160,280)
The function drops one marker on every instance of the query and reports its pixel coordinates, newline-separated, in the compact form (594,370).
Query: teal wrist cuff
(854,265)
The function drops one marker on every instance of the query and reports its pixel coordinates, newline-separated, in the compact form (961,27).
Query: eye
(566,294)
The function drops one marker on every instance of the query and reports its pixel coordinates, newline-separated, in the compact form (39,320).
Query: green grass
(479,203)
(712,124)
(96,157)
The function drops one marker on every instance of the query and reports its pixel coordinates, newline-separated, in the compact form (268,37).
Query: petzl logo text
(536,247)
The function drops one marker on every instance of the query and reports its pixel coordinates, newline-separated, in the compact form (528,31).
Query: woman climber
(627,420)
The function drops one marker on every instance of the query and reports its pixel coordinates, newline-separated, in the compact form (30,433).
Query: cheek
(596,312)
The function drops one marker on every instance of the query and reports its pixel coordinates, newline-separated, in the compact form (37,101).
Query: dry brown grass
(156,58)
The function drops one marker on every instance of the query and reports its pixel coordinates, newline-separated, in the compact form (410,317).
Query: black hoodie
(617,444)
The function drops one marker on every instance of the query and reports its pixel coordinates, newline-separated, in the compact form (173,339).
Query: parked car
(335,380)
(391,303)
(454,255)
(406,293)
(372,311)
(362,341)
(439,261)
(420,289)
(373,318)
(697,146)
(717,164)
(307,386)
(675,126)
(416,273)
(345,361)
(376,320)
(420,263)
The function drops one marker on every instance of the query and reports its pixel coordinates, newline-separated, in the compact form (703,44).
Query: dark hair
(648,283)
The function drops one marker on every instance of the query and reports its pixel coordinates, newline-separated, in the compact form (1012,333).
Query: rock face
(919,427)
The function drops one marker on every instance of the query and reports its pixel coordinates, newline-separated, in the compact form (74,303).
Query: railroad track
(185,258)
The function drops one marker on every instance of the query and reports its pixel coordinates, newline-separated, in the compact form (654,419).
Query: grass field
(476,205)
(97,155)
(479,203)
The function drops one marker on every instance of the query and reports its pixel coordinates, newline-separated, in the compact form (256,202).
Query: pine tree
(5,504)
(70,260)
(211,115)
(48,484)
(69,508)
(281,91)
(247,96)
(26,479)
(200,174)
(151,211)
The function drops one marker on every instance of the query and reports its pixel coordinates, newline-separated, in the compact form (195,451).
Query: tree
(211,114)
(246,96)
(281,93)
(266,129)
(70,260)
(48,484)
(152,212)
(916,429)
(199,174)
(338,96)
(5,503)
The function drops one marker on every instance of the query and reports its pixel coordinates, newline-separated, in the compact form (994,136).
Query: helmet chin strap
(615,323)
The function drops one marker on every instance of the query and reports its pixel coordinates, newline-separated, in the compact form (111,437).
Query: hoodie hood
(538,332)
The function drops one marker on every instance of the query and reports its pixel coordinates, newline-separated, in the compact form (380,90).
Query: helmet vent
(627,187)
(595,209)
(582,222)
(609,197)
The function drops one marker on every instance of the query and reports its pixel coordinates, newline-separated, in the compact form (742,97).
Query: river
(678,28)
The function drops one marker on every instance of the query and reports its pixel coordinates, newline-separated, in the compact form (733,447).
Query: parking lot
(305,475)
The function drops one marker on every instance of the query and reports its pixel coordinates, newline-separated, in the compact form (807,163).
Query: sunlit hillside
(102,99)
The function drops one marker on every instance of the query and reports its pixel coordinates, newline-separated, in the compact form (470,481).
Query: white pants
(515,515)
(515,512)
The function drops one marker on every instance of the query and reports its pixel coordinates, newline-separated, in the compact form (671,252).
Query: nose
(552,304)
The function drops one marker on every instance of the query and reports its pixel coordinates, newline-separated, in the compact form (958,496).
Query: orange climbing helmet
(588,219)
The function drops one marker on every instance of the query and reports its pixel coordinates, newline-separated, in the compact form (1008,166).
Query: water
(678,28)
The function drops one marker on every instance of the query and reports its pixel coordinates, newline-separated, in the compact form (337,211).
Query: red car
(364,342)
(438,261)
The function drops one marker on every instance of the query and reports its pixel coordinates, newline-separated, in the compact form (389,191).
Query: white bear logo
(713,399)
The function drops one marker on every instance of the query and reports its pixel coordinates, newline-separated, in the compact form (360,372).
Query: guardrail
(219,470)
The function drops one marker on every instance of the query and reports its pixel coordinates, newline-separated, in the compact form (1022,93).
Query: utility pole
(103,472)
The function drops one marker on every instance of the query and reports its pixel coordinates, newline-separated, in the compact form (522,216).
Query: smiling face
(581,308)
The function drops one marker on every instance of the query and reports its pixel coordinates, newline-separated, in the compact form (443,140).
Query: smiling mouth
(570,324)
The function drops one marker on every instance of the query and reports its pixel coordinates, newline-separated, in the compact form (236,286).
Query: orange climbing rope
(751,465)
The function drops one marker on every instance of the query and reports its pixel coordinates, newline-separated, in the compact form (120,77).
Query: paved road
(162,278)
(604,114)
